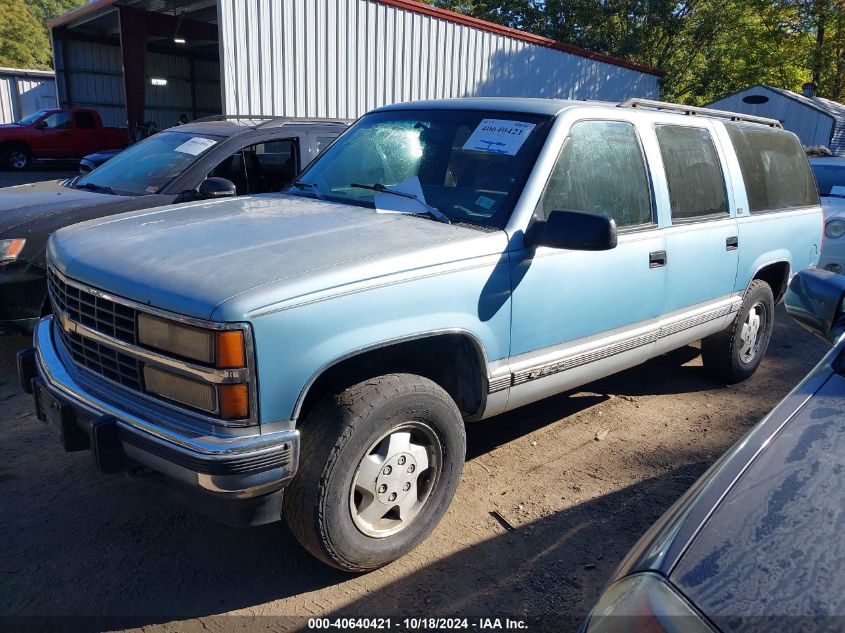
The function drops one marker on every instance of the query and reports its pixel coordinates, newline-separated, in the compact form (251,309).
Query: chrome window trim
(190,370)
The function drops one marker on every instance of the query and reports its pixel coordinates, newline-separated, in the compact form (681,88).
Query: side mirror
(214,187)
(574,230)
(815,299)
(41,125)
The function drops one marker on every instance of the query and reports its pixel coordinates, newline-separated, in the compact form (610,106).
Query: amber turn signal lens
(233,401)
(230,349)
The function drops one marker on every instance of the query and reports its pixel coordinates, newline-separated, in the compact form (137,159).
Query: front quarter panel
(298,338)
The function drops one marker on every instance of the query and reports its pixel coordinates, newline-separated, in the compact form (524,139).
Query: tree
(707,48)
(23,38)
(46,10)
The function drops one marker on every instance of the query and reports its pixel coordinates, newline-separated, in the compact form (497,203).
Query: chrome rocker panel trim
(235,466)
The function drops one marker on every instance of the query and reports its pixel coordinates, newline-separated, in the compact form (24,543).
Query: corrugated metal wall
(164,104)
(341,58)
(95,74)
(811,126)
(21,95)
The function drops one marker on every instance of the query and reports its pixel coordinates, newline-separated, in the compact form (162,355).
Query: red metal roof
(79,12)
(443,14)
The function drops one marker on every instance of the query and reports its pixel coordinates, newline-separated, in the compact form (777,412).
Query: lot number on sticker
(499,136)
(195,146)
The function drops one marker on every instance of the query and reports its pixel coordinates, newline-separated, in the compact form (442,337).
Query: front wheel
(379,465)
(17,158)
(735,353)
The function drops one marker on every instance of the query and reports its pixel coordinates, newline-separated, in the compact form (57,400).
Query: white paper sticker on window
(195,146)
(499,136)
(837,190)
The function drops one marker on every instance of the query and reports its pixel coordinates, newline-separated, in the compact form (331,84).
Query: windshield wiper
(302,185)
(380,188)
(98,188)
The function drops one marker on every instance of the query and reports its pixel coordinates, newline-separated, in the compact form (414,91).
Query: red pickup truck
(56,134)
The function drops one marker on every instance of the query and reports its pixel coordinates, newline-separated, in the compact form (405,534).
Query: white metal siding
(96,81)
(21,95)
(812,126)
(341,58)
(164,104)
(95,75)
(7,99)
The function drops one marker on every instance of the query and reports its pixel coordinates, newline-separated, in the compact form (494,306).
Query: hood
(192,258)
(24,203)
(775,545)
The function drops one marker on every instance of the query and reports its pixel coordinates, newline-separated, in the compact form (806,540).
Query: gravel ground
(79,543)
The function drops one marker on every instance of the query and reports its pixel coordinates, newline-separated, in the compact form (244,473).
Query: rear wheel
(380,463)
(735,353)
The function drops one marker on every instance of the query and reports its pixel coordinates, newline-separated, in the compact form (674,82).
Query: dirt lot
(117,553)
(82,544)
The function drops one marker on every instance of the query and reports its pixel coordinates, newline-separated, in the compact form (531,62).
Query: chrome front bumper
(236,467)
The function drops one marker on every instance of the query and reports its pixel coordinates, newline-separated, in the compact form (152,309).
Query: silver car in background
(830,178)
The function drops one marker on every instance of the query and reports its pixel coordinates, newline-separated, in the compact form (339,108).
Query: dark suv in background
(201,160)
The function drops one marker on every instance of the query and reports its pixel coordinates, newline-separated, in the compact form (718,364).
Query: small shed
(23,92)
(816,121)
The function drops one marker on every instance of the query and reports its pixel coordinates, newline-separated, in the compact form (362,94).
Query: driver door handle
(656,259)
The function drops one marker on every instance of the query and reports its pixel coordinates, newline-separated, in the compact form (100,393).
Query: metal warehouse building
(23,92)
(139,60)
(816,121)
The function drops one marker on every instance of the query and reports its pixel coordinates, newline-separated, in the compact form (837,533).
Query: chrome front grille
(104,316)
(100,314)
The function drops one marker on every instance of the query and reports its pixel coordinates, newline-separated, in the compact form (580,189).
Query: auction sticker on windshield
(196,145)
(499,136)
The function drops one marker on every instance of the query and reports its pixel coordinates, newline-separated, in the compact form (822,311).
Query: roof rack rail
(230,117)
(694,110)
(280,120)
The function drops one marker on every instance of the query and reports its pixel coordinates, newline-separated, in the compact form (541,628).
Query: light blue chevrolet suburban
(315,354)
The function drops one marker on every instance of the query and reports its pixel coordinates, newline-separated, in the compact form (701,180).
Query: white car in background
(830,178)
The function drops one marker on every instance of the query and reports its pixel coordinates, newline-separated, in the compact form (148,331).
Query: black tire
(723,354)
(16,157)
(336,436)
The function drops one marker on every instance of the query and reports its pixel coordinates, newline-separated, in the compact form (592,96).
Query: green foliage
(46,10)
(707,48)
(24,37)
(23,40)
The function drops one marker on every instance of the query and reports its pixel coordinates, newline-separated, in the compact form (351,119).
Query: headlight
(10,249)
(834,229)
(644,603)
(175,338)
(223,349)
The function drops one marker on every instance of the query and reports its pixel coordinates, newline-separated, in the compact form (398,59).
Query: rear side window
(774,168)
(600,170)
(693,172)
